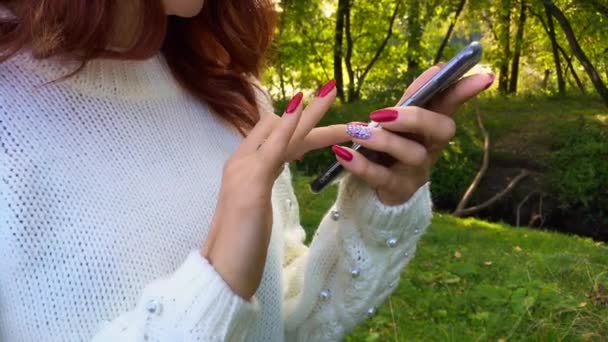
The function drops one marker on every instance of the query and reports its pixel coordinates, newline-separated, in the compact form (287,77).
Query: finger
(448,101)
(259,133)
(406,151)
(325,97)
(434,128)
(419,81)
(276,144)
(376,175)
(322,137)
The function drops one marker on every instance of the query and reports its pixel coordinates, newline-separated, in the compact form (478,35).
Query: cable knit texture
(108,183)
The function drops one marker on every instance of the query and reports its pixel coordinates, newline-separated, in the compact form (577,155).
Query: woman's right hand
(241,227)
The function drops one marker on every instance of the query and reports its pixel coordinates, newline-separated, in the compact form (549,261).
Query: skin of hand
(427,132)
(241,227)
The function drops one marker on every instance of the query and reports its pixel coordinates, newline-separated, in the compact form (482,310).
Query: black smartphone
(451,72)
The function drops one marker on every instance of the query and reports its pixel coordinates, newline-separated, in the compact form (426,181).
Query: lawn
(477,281)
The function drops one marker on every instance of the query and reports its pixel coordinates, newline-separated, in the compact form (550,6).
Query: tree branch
(447,36)
(379,50)
(468,211)
(484,164)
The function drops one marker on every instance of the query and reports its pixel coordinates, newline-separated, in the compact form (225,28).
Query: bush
(578,173)
(458,165)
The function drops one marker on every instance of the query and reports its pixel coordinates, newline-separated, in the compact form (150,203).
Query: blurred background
(516,250)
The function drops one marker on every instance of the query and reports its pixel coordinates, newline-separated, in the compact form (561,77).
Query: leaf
(450,279)
(582,304)
(517,249)
(487,263)
(457,255)
(463,269)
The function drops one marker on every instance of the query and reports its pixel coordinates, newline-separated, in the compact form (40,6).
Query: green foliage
(580,164)
(458,164)
(477,281)
(303,52)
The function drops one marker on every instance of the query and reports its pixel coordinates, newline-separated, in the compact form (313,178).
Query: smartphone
(451,72)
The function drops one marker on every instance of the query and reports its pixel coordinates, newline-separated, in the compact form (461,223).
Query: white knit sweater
(108,184)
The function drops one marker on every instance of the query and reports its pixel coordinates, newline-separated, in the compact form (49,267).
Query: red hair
(216,55)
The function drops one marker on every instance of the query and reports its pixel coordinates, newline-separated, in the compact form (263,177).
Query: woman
(144,194)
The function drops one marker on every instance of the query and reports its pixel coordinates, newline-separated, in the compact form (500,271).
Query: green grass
(477,281)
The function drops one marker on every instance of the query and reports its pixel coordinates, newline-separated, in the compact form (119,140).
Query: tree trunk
(448,34)
(414,29)
(280,54)
(545,81)
(348,60)
(578,51)
(505,28)
(338,39)
(579,84)
(561,84)
(519,37)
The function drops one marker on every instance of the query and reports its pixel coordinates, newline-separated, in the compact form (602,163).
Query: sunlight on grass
(473,222)
(602,118)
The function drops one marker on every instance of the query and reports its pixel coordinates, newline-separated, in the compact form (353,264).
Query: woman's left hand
(433,128)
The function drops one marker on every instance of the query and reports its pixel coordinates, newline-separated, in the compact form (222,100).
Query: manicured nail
(294,103)
(492,78)
(358,131)
(342,153)
(326,88)
(384,115)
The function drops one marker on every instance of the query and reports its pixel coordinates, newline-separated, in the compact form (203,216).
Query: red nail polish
(384,115)
(492,78)
(326,88)
(342,153)
(294,103)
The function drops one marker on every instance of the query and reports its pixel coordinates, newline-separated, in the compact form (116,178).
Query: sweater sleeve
(192,304)
(353,263)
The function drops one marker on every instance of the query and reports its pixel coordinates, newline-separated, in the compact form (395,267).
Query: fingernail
(492,78)
(342,153)
(326,88)
(294,103)
(384,115)
(358,131)
(439,64)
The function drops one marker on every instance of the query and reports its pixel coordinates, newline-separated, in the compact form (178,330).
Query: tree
(578,51)
(354,91)
(519,37)
(448,34)
(414,31)
(504,38)
(343,8)
(344,28)
(561,84)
